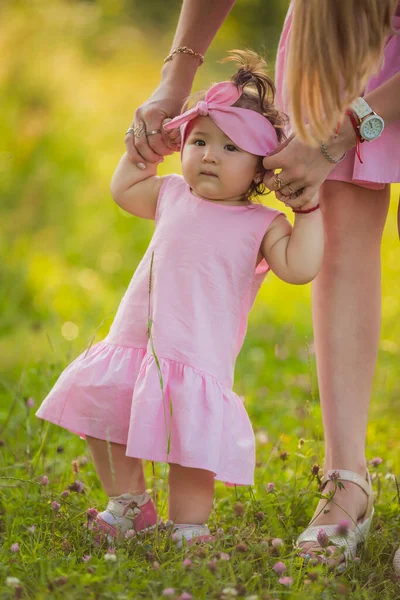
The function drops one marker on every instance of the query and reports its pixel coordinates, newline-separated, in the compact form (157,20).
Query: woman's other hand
(304,167)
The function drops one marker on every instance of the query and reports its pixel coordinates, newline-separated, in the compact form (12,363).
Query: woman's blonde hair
(335,46)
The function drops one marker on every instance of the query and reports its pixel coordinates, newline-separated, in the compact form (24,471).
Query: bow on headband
(247,129)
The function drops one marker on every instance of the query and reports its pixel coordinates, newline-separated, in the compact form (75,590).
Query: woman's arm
(305,167)
(295,254)
(134,190)
(384,100)
(198,24)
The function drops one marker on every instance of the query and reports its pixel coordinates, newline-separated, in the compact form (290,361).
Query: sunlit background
(71,75)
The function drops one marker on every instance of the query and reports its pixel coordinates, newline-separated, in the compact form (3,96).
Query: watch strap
(356,127)
(361,108)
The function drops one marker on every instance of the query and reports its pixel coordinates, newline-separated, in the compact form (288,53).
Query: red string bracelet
(355,127)
(298,211)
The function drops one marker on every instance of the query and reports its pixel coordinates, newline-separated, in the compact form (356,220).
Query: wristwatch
(370,125)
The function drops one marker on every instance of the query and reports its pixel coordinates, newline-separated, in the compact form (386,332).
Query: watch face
(372,127)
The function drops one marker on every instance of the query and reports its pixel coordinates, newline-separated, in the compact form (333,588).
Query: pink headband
(249,130)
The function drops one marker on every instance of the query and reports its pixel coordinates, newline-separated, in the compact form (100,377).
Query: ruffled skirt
(166,412)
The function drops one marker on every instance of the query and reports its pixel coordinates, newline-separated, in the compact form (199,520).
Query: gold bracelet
(185,50)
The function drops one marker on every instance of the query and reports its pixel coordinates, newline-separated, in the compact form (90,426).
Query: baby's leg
(191,493)
(129,507)
(118,473)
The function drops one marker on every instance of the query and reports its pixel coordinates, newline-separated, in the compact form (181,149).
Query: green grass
(284,407)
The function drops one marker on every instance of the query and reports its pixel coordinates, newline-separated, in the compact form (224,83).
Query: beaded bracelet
(185,50)
(298,211)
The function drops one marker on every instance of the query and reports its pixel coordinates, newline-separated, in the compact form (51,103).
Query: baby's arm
(136,190)
(295,253)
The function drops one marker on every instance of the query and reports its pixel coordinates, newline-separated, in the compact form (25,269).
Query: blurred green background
(71,75)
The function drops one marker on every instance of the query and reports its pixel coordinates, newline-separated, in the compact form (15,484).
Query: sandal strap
(127,505)
(343,475)
(310,534)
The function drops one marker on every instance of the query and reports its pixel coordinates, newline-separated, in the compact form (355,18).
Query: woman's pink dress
(381,157)
(204,281)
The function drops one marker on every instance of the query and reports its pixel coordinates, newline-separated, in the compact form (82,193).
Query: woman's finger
(290,190)
(274,181)
(142,142)
(277,150)
(146,125)
(298,199)
(157,142)
(306,195)
(282,198)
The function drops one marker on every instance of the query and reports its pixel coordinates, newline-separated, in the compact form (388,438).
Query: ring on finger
(138,129)
(278,183)
(129,130)
(153,132)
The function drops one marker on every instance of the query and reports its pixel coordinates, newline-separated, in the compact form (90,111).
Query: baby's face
(214,167)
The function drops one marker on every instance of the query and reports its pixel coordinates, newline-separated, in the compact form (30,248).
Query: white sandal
(354,537)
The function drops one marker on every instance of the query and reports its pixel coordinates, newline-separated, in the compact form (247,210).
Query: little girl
(159,387)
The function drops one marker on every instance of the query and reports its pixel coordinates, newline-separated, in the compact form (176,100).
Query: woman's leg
(191,493)
(118,473)
(346,315)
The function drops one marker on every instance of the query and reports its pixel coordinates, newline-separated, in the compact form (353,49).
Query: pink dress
(381,162)
(204,281)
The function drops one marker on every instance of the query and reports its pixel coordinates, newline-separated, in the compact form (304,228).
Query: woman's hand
(146,141)
(304,169)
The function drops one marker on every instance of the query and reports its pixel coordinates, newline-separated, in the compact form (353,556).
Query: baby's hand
(172,138)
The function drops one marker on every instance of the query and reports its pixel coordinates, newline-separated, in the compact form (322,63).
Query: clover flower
(92,513)
(12,582)
(279,568)
(375,462)
(323,538)
(342,528)
(187,563)
(287,581)
(131,533)
(110,557)
(224,556)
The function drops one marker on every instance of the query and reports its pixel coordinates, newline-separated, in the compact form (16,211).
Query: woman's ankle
(334,462)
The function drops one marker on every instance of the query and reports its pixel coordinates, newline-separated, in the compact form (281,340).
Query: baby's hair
(258,94)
